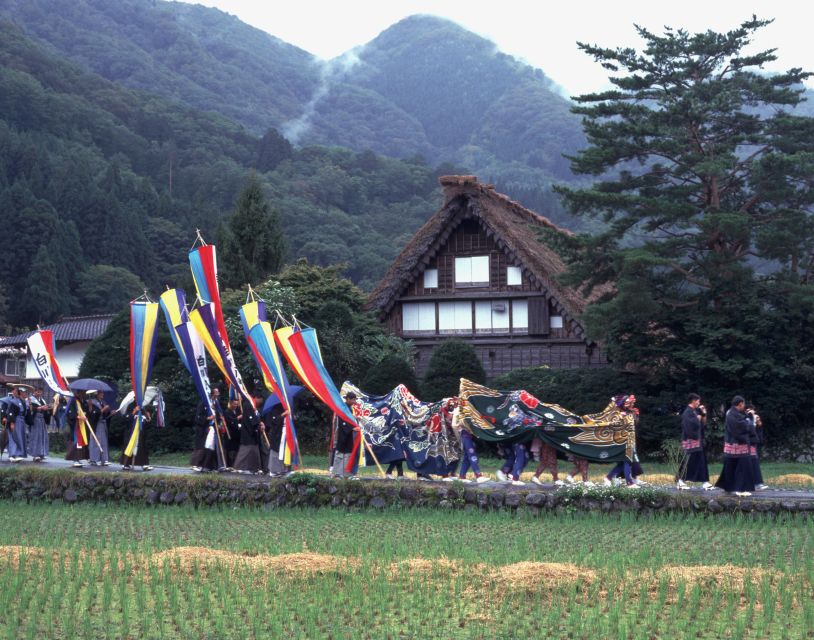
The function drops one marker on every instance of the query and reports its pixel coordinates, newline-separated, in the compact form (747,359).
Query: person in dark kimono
(251,431)
(76,451)
(16,414)
(40,412)
(98,415)
(754,448)
(275,429)
(3,420)
(141,456)
(344,441)
(738,474)
(231,436)
(203,456)
(694,466)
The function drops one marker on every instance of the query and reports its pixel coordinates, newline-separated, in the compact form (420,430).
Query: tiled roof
(73,329)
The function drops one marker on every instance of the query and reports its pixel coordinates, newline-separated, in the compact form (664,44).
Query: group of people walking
(743,437)
(239,438)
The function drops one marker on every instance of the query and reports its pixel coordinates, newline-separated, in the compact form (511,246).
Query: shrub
(451,360)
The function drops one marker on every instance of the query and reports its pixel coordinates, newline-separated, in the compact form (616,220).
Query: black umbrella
(89,384)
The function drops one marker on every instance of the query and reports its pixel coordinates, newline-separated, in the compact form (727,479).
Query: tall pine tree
(706,194)
(251,244)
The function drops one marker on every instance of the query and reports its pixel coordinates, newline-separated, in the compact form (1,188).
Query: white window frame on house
(520,316)
(492,317)
(472,271)
(455,317)
(514,276)
(431,279)
(418,317)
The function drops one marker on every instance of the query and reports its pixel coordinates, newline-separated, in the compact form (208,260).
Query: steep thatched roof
(513,227)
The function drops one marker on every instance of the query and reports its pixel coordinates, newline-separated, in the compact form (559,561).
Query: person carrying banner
(40,416)
(275,427)
(77,446)
(141,456)
(251,430)
(546,457)
(98,415)
(15,423)
(203,456)
(627,468)
(515,457)
(694,466)
(232,437)
(469,454)
(344,441)
(754,446)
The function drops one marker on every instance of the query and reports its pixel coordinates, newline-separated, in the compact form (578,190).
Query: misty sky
(541,33)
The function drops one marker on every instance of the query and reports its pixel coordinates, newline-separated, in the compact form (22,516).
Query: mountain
(102,187)
(190,54)
(425,86)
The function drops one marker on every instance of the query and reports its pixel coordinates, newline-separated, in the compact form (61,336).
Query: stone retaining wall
(302,490)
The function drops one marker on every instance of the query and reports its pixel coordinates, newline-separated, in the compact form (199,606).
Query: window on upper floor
(492,316)
(431,279)
(514,276)
(455,317)
(14,367)
(520,316)
(472,271)
(418,317)
(556,322)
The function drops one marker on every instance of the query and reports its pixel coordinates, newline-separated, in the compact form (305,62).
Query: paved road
(60,463)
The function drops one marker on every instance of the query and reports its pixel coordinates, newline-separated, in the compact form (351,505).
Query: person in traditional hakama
(628,468)
(738,473)
(251,430)
(3,428)
(694,467)
(76,452)
(754,448)
(203,457)
(16,424)
(37,442)
(231,437)
(141,456)
(469,454)
(275,429)
(98,415)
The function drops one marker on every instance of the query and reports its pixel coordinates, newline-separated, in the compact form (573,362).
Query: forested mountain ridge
(102,187)
(423,86)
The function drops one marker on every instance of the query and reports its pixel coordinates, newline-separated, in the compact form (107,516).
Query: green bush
(388,373)
(451,360)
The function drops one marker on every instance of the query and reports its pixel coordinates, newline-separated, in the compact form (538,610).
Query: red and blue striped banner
(143,332)
(260,337)
(42,348)
(204,264)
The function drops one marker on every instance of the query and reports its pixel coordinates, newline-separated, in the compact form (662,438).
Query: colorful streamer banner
(251,314)
(174,305)
(301,350)
(42,347)
(265,352)
(203,318)
(204,264)
(196,363)
(143,326)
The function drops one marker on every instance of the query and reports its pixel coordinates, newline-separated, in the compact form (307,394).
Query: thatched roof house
(477,270)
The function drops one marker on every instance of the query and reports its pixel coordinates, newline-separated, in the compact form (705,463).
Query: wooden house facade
(477,271)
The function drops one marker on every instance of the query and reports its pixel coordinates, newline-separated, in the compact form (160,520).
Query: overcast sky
(541,33)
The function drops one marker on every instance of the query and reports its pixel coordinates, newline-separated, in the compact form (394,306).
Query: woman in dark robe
(738,474)
(76,452)
(251,430)
(141,455)
(231,438)
(37,443)
(694,467)
(98,414)
(275,426)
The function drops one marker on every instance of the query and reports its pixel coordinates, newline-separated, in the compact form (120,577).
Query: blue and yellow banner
(143,332)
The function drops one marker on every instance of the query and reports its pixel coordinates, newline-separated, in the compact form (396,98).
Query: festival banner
(203,318)
(42,347)
(196,362)
(143,332)
(301,350)
(517,416)
(174,305)
(265,352)
(204,264)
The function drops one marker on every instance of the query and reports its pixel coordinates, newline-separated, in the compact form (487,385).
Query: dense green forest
(423,86)
(103,188)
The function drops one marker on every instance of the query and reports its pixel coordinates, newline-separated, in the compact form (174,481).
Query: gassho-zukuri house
(478,271)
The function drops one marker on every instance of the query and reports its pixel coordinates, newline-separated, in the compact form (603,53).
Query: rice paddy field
(90,571)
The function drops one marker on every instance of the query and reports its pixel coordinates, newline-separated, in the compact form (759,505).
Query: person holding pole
(77,446)
(344,442)
(98,416)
